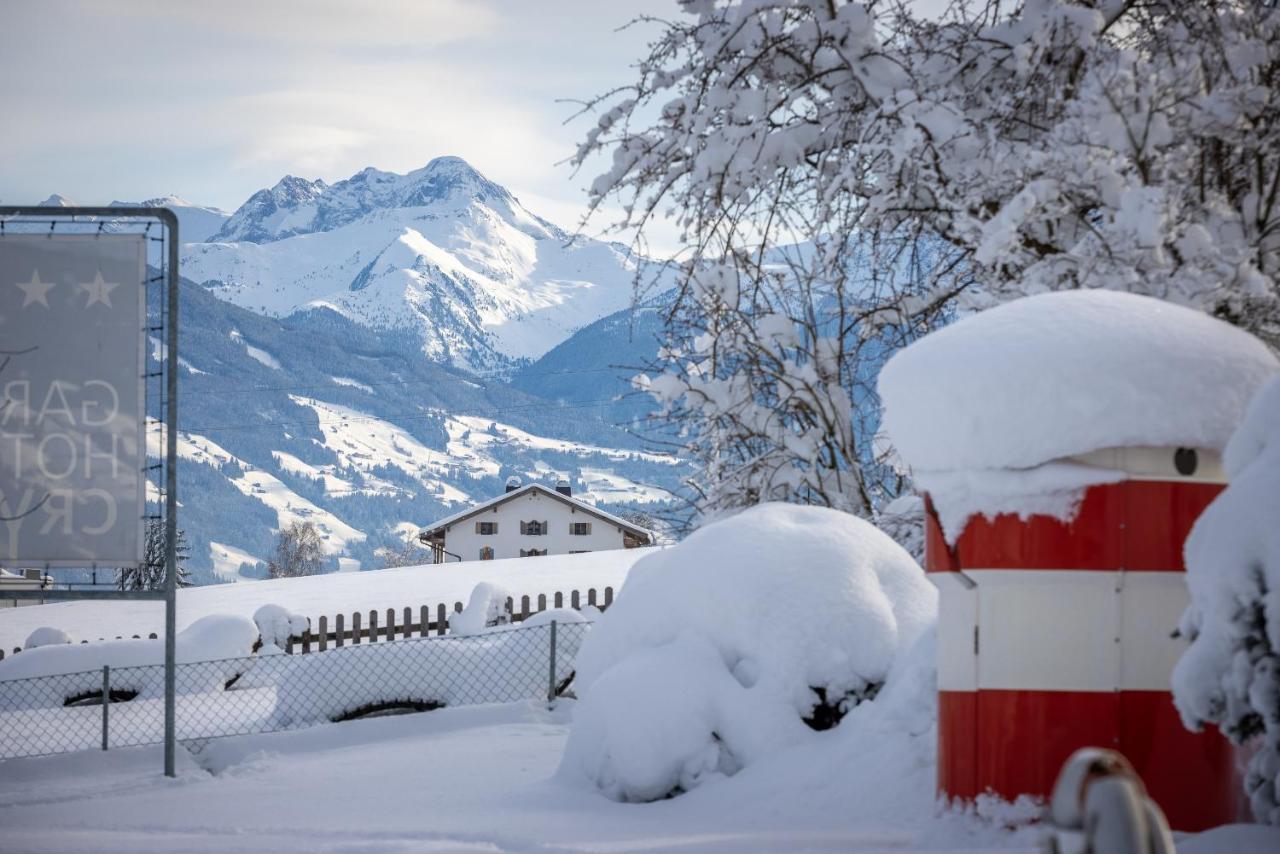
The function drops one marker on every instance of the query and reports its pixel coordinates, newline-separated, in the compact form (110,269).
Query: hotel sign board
(72,451)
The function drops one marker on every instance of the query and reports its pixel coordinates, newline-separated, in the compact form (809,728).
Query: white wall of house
(31,579)
(462,539)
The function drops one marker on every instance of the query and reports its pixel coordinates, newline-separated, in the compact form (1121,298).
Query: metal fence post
(551,676)
(171,501)
(106,702)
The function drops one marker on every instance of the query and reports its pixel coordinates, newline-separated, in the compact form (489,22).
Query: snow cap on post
(1058,374)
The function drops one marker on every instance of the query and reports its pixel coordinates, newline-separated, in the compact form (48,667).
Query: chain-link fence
(124,706)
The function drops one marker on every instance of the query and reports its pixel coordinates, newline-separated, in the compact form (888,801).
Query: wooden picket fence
(371,626)
(377,625)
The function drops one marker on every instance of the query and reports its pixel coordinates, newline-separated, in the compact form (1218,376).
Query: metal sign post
(77,309)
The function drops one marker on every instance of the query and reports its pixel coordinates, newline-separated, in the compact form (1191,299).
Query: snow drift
(46,636)
(719,650)
(1230,675)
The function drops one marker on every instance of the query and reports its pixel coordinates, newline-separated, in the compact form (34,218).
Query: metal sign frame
(99,220)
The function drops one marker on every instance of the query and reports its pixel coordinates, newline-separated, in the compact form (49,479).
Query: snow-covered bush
(277,624)
(719,650)
(1230,675)
(486,607)
(52,675)
(46,636)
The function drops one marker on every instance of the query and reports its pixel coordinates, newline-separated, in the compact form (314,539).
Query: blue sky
(131,99)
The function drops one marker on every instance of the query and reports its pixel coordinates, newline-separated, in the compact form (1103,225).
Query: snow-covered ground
(467,779)
(328,594)
(480,779)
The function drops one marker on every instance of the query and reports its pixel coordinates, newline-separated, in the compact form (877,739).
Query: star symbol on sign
(99,290)
(35,290)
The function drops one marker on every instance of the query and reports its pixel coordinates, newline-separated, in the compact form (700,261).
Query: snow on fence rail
(124,706)
(384,624)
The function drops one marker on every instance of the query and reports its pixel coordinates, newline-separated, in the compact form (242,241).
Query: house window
(486,553)
(532,553)
(487,528)
(580,529)
(533,529)
(579,551)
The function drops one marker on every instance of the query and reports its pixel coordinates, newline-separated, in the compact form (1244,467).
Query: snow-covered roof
(438,526)
(1059,374)
(8,577)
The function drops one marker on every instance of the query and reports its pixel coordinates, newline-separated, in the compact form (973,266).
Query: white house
(529,521)
(28,579)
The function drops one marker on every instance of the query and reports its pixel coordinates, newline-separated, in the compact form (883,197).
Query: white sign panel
(71,403)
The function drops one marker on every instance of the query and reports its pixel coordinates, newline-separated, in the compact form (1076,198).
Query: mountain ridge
(441,251)
(391,348)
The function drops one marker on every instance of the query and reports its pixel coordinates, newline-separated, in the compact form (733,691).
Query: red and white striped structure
(1057,635)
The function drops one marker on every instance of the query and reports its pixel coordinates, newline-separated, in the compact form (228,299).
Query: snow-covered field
(328,594)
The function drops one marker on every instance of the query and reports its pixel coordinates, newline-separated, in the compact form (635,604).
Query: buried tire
(387,708)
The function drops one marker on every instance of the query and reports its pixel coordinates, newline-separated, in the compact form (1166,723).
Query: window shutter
(493,527)
(478,524)
(588,528)
(524,527)
(546,527)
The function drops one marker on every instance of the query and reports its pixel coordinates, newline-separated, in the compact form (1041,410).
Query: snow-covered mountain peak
(57,201)
(285,209)
(441,252)
(445,186)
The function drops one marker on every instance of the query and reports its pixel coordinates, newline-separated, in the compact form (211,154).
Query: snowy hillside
(319,419)
(441,253)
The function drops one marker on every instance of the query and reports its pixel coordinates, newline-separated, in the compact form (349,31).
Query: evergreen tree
(151,574)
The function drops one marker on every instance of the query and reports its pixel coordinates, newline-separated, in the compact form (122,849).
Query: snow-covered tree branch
(845,175)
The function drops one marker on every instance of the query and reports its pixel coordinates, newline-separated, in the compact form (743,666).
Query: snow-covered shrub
(719,650)
(46,636)
(212,651)
(1230,675)
(277,624)
(487,607)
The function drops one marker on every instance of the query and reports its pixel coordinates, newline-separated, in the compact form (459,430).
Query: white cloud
(219,100)
(350,23)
